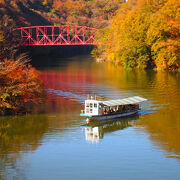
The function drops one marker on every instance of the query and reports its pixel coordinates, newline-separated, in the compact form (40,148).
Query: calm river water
(53,144)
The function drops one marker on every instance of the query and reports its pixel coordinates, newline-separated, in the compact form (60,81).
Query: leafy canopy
(144,34)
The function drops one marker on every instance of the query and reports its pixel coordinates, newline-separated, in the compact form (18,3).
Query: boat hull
(111,116)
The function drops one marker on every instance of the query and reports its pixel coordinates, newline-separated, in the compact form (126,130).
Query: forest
(144,34)
(94,13)
(136,33)
(19,81)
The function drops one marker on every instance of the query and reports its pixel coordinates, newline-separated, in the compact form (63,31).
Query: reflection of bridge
(66,80)
(57,35)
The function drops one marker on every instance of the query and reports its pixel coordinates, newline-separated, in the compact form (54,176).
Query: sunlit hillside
(96,13)
(143,34)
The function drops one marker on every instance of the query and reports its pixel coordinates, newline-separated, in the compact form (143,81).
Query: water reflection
(94,131)
(68,83)
(163,90)
(78,78)
(19,135)
(164,130)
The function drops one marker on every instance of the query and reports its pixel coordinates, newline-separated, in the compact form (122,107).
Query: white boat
(103,110)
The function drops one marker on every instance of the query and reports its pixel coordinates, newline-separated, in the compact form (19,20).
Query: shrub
(19,84)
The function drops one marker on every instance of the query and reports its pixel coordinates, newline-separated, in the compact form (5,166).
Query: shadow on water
(49,62)
(52,56)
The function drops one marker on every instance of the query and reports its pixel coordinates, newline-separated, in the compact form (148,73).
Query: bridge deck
(57,35)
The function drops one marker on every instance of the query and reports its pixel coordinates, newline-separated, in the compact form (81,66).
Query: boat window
(91,110)
(87,110)
(87,105)
(95,105)
(91,105)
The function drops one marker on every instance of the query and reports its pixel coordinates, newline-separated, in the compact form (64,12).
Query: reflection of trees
(162,89)
(19,135)
(22,134)
(162,86)
(164,126)
(164,130)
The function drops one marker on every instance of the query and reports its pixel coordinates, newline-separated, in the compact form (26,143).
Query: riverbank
(103,59)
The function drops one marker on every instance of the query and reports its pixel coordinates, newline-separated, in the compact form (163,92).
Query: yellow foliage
(44,2)
(1,36)
(144,34)
(2,1)
(164,34)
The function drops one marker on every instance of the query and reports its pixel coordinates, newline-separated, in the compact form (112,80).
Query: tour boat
(96,110)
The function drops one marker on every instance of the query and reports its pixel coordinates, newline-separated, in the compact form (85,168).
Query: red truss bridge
(57,35)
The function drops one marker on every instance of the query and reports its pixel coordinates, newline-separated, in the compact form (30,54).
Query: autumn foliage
(144,34)
(19,84)
(95,13)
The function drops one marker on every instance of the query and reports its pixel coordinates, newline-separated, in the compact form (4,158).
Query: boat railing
(93,97)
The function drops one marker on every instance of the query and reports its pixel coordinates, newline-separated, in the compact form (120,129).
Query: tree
(19,84)
(9,41)
(164,36)
(143,34)
(2,2)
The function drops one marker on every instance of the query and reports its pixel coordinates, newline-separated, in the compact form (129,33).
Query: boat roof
(130,100)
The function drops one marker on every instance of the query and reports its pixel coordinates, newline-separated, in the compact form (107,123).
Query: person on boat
(105,110)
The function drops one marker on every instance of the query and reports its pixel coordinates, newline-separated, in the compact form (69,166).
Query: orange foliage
(58,5)
(19,83)
(2,2)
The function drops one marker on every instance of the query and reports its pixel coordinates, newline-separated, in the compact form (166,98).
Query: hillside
(95,13)
(18,13)
(144,34)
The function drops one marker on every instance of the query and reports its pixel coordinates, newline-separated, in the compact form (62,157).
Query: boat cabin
(94,107)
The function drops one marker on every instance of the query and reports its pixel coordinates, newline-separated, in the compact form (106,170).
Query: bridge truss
(57,35)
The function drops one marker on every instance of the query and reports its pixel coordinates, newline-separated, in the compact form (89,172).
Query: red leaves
(20,81)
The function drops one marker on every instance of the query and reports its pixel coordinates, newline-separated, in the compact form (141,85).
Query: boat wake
(150,110)
(143,112)
(69,95)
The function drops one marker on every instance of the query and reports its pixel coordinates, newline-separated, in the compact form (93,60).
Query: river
(53,144)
